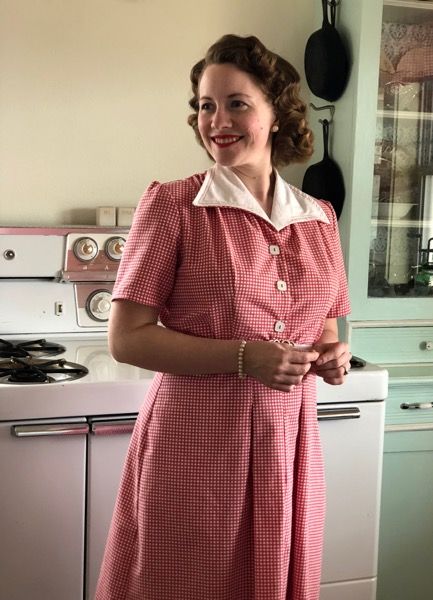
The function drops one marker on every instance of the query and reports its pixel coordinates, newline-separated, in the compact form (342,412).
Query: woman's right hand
(277,365)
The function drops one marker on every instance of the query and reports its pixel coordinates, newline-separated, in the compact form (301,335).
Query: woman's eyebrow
(239,94)
(229,96)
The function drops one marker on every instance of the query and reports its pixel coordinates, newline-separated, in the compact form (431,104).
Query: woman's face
(235,118)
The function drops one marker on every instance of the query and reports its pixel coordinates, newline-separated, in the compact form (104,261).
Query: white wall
(93,95)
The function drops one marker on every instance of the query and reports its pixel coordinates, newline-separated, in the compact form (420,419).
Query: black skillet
(324,179)
(326,62)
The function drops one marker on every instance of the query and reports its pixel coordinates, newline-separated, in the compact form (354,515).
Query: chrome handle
(50,429)
(405,427)
(336,414)
(417,405)
(114,427)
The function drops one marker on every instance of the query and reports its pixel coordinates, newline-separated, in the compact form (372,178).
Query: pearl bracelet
(241,351)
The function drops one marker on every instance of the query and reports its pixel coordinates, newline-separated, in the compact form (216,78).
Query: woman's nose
(221,118)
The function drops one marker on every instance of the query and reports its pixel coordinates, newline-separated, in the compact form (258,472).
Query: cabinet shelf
(416,4)
(408,223)
(405,114)
(406,11)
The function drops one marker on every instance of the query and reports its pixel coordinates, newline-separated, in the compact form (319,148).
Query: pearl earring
(274,128)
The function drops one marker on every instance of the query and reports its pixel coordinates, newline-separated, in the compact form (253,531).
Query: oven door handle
(113,426)
(50,429)
(338,414)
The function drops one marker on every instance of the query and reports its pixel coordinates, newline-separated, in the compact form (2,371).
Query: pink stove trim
(61,230)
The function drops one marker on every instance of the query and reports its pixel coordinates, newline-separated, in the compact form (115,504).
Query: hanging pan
(325,61)
(324,179)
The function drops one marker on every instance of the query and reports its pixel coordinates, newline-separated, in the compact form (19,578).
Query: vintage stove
(55,299)
(67,408)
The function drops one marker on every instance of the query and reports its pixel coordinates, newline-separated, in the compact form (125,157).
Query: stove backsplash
(57,280)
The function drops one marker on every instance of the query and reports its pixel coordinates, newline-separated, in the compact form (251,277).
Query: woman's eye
(239,104)
(205,106)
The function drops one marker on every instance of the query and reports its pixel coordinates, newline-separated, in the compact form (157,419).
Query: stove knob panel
(98,305)
(85,249)
(114,248)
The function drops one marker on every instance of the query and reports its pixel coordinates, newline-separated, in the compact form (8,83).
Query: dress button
(274,250)
(281,285)
(279,326)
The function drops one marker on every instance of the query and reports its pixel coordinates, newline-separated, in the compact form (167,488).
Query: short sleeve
(341,305)
(148,266)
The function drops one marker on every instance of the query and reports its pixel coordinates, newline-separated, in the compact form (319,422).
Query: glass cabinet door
(401,244)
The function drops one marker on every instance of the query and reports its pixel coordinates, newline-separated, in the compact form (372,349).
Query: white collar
(222,187)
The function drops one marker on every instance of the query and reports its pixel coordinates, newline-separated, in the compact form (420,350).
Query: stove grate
(17,370)
(29,348)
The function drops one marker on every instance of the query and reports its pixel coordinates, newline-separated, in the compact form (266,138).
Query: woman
(222,496)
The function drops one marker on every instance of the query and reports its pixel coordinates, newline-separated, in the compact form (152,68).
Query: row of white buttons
(279,326)
(275,251)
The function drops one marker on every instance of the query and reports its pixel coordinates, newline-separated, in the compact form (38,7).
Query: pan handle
(333,4)
(325,13)
(325,125)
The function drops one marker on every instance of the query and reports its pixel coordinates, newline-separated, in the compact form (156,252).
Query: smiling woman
(276,79)
(235,118)
(222,495)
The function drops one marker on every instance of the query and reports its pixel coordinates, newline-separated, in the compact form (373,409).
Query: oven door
(108,444)
(352,440)
(42,479)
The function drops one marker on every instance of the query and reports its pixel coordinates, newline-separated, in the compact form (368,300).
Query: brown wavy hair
(279,81)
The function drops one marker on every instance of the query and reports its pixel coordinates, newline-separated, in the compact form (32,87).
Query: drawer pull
(55,429)
(337,414)
(417,405)
(113,427)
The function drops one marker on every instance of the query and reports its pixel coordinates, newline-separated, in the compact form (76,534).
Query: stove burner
(32,370)
(28,375)
(29,349)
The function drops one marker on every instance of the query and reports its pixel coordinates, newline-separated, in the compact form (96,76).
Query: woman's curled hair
(279,81)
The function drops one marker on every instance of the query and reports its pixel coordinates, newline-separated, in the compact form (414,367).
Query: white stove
(63,442)
(67,408)
(55,286)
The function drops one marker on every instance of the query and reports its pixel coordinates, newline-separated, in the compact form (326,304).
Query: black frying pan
(325,61)
(324,179)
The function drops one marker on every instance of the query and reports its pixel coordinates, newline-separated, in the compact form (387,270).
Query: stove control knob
(85,249)
(9,254)
(98,305)
(114,247)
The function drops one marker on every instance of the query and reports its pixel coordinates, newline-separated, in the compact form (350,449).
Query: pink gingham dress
(222,495)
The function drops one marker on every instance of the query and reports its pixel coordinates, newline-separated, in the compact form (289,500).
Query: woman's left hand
(333,363)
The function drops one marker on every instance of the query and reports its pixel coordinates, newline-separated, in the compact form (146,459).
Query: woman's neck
(261,185)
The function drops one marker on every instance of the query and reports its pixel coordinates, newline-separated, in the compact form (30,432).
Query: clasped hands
(281,366)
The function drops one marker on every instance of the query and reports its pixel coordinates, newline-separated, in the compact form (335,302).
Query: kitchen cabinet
(42,510)
(385,117)
(406,527)
(406,533)
(383,140)
(59,481)
(108,445)
(401,242)
(353,478)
